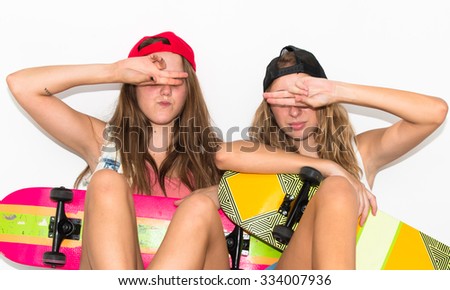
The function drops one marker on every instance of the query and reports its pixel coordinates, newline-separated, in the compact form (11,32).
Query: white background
(400,44)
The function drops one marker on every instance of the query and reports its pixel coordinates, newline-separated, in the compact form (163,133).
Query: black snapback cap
(306,63)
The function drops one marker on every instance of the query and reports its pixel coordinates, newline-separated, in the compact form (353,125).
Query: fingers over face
(278,95)
(169,81)
(167,78)
(158,61)
(291,102)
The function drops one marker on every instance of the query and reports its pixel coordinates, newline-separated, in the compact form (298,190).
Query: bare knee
(200,203)
(107,179)
(108,185)
(201,209)
(337,191)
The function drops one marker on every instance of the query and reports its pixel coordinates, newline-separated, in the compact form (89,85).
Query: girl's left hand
(211,192)
(147,70)
(367,203)
(306,92)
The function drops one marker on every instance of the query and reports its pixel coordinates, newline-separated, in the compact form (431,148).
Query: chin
(161,122)
(296,135)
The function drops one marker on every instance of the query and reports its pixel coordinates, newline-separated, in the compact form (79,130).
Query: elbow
(221,157)
(12,82)
(441,111)
(228,156)
(232,155)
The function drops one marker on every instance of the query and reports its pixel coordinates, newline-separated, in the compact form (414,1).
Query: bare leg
(194,239)
(326,235)
(110,239)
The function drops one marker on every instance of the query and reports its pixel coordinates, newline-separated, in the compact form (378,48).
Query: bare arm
(253,157)
(420,115)
(35,89)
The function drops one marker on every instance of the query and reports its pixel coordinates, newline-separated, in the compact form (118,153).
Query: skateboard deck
(253,202)
(28,218)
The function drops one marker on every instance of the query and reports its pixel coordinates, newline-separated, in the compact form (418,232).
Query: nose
(294,111)
(166,90)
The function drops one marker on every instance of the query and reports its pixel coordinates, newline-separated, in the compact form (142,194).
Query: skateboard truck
(310,177)
(61,227)
(236,243)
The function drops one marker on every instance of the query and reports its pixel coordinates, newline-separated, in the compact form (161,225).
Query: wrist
(110,73)
(343,93)
(328,167)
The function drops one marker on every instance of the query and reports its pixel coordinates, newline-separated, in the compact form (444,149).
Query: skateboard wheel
(230,242)
(282,234)
(54,258)
(311,174)
(61,194)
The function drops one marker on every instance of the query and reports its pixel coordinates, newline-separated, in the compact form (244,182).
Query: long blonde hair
(191,153)
(334,135)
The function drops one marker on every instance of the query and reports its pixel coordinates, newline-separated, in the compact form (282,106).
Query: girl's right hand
(307,91)
(147,70)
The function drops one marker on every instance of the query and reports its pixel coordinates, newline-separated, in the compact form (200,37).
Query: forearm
(47,80)
(34,90)
(251,157)
(411,107)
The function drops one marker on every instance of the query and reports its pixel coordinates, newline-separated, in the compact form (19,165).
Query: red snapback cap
(166,41)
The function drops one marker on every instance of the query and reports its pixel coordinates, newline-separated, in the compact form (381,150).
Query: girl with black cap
(301,122)
(303,117)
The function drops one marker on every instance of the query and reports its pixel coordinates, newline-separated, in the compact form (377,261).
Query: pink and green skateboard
(42,227)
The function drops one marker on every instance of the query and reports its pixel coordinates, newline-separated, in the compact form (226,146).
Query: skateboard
(42,227)
(269,206)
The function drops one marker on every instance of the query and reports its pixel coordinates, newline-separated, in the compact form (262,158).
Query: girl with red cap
(139,150)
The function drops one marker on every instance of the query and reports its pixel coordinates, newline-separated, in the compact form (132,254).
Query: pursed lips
(296,126)
(164,103)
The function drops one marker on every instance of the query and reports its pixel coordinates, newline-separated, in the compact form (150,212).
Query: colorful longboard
(252,201)
(27,221)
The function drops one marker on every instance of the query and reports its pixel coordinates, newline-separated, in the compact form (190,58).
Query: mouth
(164,103)
(297,126)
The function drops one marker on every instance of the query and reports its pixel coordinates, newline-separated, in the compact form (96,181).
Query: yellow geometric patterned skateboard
(253,202)
(388,243)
